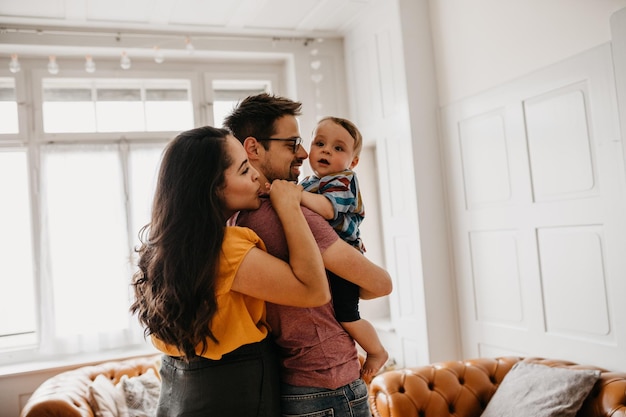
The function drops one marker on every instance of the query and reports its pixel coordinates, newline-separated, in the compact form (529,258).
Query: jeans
(244,383)
(347,401)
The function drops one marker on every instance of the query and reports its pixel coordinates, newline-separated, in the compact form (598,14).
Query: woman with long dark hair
(201,287)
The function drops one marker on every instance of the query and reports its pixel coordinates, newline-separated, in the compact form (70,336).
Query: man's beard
(272,174)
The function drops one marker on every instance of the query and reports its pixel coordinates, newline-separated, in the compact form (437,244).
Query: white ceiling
(247,17)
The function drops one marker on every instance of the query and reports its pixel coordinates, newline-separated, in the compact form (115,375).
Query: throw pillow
(530,389)
(141,393)
(105,399)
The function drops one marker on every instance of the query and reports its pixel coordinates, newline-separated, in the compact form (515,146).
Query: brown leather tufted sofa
(463,389)
(66,394)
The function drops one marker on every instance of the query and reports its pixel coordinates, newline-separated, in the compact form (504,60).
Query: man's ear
(355,161)
(251,145)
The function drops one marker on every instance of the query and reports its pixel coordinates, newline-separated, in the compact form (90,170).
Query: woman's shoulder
(241,239)
(238,241)
(234,234)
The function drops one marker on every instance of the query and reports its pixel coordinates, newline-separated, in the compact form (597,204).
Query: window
(87,243)
(114,105)
(16,252)
(227,93)
(79,187)
(8,106)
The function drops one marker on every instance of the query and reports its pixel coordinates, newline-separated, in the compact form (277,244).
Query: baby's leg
(365,335)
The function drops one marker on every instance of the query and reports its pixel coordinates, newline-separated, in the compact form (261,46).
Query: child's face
(332,149)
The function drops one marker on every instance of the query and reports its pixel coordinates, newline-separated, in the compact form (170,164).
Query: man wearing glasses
(269,131)
(293,144)
(320,369)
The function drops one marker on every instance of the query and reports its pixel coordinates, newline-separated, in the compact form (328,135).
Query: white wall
(403,128)
(487,45)
(618,33)
(535,173)
(469,48)
(483,43)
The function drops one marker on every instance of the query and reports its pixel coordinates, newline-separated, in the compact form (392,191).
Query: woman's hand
(301,282)
(285,195)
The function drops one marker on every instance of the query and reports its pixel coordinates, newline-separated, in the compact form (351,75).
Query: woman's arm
(302,282)
(352,265)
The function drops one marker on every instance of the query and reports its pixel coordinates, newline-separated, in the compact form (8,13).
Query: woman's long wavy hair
(180,247)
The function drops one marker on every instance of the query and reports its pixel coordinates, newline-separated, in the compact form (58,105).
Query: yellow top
(240,319)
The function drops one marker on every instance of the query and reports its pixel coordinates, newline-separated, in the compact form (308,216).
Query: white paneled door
(537,195)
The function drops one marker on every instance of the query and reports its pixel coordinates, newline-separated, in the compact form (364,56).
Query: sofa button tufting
(606,396)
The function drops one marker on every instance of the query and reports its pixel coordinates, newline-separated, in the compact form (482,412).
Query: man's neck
(263,180)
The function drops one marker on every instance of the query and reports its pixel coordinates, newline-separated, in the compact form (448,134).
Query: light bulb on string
(90,66)
(14,65)
(125,61)
(53,66)
(317,78)
(188,45)
(158,55)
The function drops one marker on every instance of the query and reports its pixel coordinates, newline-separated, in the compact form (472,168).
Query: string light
(53,67)
(188,45)
(125,61)
(90,66)
(317,78)
(158,55)
(14,65)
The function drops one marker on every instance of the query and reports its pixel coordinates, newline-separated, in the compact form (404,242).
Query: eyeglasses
(297,141)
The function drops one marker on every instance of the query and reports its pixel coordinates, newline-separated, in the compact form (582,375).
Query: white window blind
(94,196)
(17,297)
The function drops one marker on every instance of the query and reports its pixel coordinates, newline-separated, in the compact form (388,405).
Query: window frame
(23,116)
(29,95)
(272,78)
(41,136)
